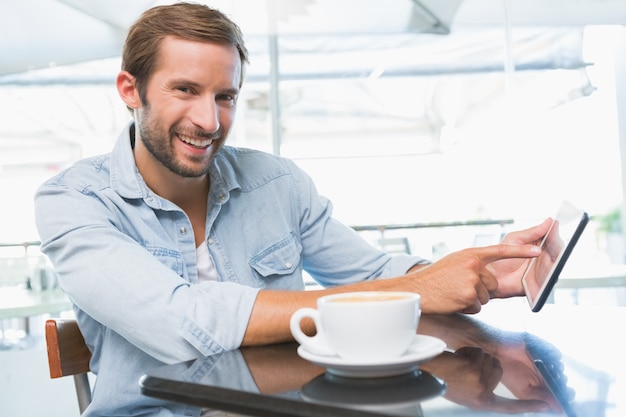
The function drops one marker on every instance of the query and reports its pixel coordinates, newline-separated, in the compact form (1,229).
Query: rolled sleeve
(218,319)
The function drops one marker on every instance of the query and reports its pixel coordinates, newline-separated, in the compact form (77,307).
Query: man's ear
(127,89)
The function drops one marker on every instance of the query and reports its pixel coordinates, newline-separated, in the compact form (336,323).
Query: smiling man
(175,246)
(182,118)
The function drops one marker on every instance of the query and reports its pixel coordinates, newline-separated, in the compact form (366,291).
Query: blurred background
(431,124)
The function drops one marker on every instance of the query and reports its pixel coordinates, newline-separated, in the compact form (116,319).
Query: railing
(383,227)
(16,265)
(24,245)
(413,237)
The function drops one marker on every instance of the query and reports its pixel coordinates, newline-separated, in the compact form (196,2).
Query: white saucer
(422,348)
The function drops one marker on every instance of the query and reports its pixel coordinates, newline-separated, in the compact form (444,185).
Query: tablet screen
(543,271)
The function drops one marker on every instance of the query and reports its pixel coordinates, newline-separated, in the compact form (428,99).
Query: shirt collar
(125,177)
(127,181)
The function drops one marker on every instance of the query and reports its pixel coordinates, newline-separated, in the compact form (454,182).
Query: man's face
(190,105)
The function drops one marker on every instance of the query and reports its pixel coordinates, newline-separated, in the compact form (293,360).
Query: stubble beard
(160,145)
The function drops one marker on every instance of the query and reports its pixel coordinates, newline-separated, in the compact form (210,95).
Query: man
(175,246)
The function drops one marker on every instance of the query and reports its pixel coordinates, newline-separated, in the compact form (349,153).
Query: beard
(160,144)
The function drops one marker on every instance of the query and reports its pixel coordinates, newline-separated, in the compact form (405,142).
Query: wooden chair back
(69,355)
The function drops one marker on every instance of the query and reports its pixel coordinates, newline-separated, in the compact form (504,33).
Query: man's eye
(227,97)
(183,89)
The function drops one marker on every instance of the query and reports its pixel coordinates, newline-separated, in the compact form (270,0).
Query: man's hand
(462,280)
(509,272)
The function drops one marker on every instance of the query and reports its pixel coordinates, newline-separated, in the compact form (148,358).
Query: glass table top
(564,360)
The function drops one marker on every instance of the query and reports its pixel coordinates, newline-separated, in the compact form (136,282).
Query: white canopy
(42,33)
(60,57)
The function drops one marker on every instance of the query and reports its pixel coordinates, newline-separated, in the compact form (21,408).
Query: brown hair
(195,22)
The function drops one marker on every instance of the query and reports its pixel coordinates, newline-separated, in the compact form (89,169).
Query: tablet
(543,271)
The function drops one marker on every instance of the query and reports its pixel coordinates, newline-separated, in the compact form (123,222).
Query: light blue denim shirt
(127,259)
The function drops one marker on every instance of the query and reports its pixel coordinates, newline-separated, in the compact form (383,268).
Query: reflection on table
(565,360)
(395,395)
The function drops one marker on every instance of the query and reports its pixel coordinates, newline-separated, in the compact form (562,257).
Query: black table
(564,360)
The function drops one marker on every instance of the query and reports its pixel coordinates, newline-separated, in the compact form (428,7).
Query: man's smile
(196,142)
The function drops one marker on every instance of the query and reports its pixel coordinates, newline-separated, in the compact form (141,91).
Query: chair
(69,355)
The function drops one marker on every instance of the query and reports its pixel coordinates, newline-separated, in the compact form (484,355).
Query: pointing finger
(488,254)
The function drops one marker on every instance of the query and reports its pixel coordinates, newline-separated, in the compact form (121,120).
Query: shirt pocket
(281,258)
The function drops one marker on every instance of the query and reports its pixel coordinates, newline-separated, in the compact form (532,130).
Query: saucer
(422,348)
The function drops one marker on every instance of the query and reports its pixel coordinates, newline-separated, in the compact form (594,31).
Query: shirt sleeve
(123,286)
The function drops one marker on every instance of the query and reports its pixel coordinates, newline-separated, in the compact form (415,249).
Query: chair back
(69,355)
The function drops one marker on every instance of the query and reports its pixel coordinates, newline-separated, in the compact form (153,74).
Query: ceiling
(47,45)
(42,33)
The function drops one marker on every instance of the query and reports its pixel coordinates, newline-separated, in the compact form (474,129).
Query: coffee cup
(361,326)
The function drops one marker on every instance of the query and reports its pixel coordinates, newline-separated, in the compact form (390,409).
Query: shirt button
(221,196)
(288,265)
(210,241)
(183,230)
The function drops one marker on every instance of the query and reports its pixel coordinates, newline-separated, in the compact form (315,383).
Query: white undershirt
(206,268)
(207,272)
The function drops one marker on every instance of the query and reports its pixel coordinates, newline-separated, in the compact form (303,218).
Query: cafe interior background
(435,124)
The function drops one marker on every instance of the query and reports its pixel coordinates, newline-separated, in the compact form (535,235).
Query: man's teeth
(200,143)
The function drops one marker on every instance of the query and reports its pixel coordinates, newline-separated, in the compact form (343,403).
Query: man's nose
(205,114)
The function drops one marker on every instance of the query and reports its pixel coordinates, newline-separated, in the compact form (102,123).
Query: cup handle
(315,344)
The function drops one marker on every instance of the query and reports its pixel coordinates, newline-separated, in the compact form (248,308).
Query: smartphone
(543,271)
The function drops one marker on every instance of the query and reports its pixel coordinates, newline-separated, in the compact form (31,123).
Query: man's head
(182,70)
(189,21)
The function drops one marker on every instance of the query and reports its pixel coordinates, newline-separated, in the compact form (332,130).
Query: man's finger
(490,284)
(488,254)
(532,234)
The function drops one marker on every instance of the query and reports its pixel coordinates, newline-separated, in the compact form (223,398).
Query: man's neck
(190,194)
(183,191)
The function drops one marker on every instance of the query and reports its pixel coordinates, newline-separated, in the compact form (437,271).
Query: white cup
(363,326)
